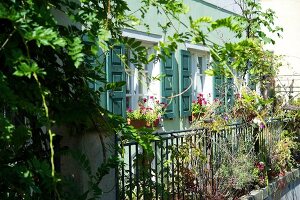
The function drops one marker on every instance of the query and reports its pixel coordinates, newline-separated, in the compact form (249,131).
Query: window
(201,75)
(129,72)
(199,60)
(137,80)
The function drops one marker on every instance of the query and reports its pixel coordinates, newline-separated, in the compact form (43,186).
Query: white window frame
(198,51)
(137,90)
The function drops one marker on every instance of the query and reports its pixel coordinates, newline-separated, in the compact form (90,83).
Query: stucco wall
(88,144)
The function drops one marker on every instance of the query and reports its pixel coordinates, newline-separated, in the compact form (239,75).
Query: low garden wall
(285,188)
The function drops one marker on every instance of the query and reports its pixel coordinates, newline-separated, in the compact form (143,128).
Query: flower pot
(155,123)
(137,123)
(195,117)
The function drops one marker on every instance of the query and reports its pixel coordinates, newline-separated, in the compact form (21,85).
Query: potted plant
(136,118)
(199,107)
(148,113)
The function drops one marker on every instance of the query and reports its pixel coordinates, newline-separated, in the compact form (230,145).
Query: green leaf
(45,36)
(225,22)
(75,49)
(25,69)
(115,85)
(136,44)
(209,72)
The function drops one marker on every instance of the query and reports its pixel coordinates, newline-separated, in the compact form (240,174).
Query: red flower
(200,102)
(145,100)
(260,166)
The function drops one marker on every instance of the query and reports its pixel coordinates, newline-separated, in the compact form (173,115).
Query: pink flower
(145,100)
(260,166)
(200,102)
(262,125)
(129,110)
(151,97)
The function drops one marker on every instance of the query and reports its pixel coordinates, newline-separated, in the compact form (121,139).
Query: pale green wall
(197,8)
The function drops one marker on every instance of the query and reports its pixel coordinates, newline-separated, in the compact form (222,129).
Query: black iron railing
(185,164)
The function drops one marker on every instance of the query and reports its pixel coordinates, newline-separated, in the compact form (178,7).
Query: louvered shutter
(168,85)
(96,62)
(116,73)
(185,98)
(229,93)
(219,91)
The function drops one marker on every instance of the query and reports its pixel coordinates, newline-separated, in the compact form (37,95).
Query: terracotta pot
(137,123)
(195,117)
(154,124)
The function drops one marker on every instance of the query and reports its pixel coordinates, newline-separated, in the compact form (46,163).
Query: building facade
(181,76)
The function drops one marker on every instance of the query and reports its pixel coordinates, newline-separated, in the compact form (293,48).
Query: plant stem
(51,135)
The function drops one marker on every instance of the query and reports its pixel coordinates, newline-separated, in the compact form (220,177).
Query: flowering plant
(199,106)
(260,173)
(148,110)
(250,106)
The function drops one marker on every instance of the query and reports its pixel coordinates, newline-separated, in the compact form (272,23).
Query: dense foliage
(51,52)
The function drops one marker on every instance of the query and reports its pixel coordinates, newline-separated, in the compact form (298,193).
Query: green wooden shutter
(218,92)
(229,93)
(168,85)
(185,98)
(116,73)
(218,87)
(98,62)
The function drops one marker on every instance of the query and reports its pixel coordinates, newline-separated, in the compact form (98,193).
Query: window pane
(200,65)
(128,83)
(128,102)
(140,82)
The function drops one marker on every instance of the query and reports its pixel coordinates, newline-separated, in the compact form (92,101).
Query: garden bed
(285,187)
